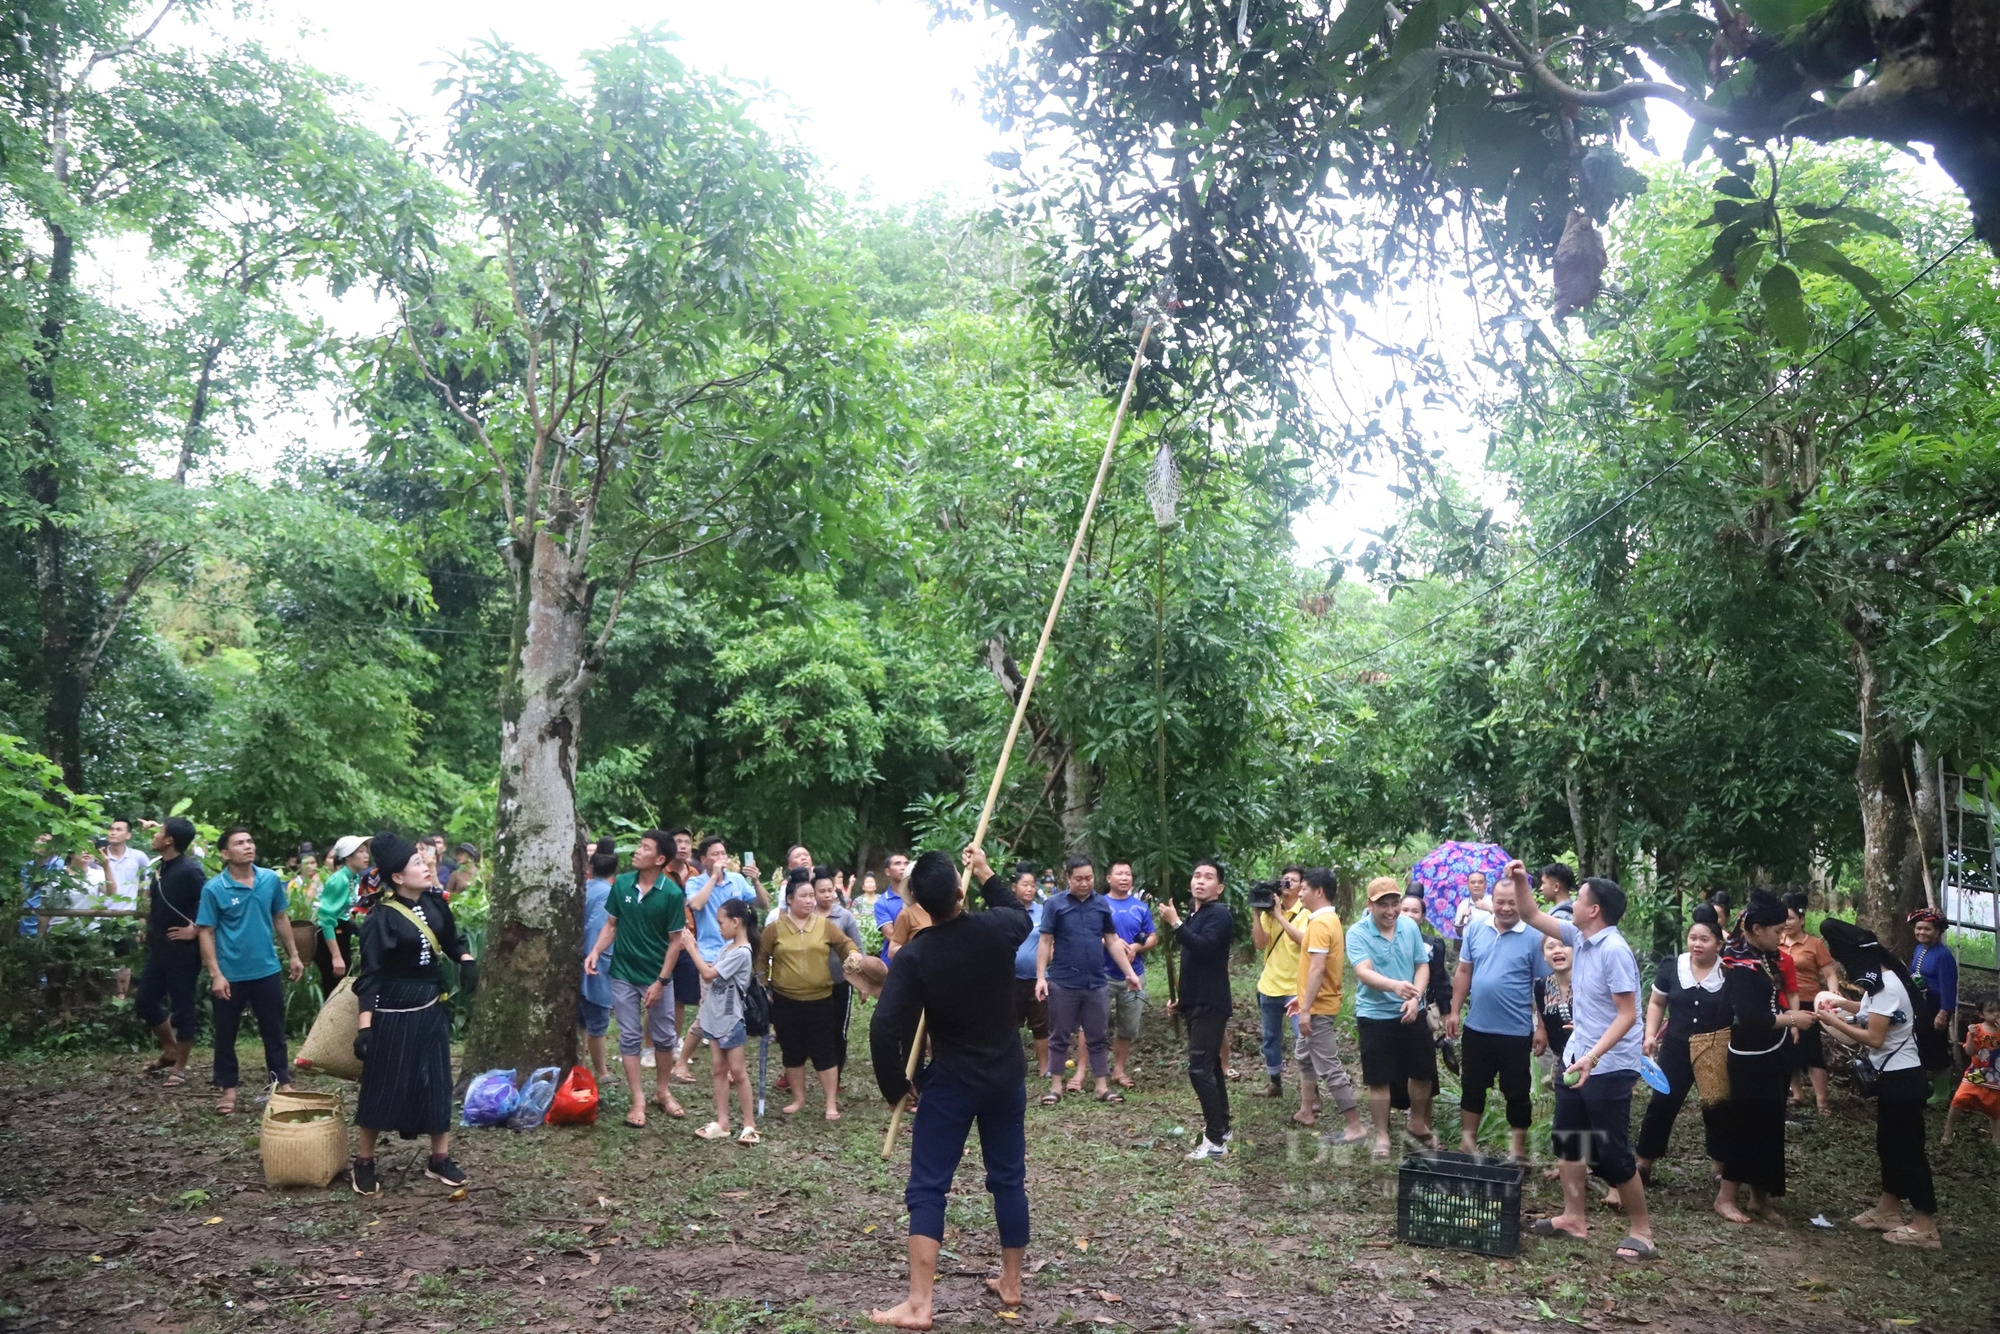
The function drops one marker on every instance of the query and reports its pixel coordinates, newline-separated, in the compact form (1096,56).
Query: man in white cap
(336,902)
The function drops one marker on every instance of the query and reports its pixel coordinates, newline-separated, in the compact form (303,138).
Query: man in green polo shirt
(644,915)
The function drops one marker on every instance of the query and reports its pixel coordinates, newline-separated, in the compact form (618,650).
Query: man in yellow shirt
(1317,1007)
(1279,936)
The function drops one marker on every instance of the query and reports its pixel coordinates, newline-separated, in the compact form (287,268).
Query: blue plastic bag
(536,1095)
(490,1099)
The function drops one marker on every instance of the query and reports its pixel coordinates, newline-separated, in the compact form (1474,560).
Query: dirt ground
(129,1207)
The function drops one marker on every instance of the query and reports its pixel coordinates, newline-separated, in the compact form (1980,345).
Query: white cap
(347,847)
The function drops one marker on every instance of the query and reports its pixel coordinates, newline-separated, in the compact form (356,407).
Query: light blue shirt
(707,932)
(596,895)
(1602,967)
(1394,957)
(245,947)
(1024,957)
(1505,965)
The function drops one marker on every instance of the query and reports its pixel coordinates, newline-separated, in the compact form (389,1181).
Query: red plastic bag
(576,1100)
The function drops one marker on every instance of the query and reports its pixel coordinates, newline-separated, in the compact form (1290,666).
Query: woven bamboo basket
(303,1139)
(329,1047)
(305,938)
(1709,1054)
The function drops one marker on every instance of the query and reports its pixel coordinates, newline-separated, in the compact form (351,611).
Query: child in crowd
(1979,1091)
(726,983)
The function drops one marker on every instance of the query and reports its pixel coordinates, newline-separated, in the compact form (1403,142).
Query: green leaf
(1859,217)
(1777,16)
(1785,307)
(1358,23)
(1735,187)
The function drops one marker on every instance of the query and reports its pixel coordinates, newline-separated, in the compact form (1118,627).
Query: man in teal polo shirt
(644,917)
(243,918)
(1392,964)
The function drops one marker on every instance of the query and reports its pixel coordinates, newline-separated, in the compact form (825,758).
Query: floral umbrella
(1440,875)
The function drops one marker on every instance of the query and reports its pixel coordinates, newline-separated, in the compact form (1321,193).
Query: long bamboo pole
(1028,684)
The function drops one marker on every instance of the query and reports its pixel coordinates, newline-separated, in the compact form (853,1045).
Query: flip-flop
(1909,1236)
(1546,1227)
(1050,1099)
(173,1080)
(1641,1250)
(1345,1141)
(713,1130)
(749,1136)
(1109,1096)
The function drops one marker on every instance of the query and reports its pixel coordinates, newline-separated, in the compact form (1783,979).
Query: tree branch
(127,47)
(121,601)
(1632,90)
(478,428)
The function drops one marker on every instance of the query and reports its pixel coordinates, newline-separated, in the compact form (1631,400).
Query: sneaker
(445,1170)
(365,1180)
(647,1060)
(1208,1149)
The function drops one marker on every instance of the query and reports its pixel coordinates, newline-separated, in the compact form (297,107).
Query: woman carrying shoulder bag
(1882,1023)
(404,1036)
(1751,1126)
(1687,1001)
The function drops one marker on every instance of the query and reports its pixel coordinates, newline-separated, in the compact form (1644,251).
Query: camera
(1263,896)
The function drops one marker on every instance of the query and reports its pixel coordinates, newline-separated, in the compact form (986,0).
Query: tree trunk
(1076,803)
(62,683)
(1596,833)
(1892,875)
(525,1014)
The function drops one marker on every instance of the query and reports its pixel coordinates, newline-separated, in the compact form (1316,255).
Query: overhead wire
(1788,382)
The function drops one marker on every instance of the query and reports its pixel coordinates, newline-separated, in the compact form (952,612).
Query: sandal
(173,1080)
(1546,1227)
(226,1104)
(1909,1236)
(1050,1099)
(155,1066)
(1110,1096)
(749,1136)
(1874,1222)
(639,1124)
(1640,1250)
(713,1130)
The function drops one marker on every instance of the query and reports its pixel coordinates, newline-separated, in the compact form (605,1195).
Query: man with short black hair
(1278,934)
(958,975)
(1593,1118)
(166,995)
(1559,889)
(889,903)
(643,919)
(124,874)
(1069,975)
(1315,1006)
(1204,1001)
(1133,921)
(244,917)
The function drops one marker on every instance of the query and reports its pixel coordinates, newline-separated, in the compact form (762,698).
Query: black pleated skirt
(406,1084)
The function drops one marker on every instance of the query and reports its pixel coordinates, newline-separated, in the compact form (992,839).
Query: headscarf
(1866,960)
(1926,915)
(391,854)
(1764,909)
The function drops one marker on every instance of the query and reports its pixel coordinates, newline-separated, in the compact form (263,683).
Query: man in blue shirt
(706,893)
(889,903)
(1133,921)
(1497,968)
(1029,1011)
(1593,1119)
(244,917)
(1392,964)
(593,1010)
(1069,975)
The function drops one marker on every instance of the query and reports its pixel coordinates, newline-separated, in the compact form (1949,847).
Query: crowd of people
(683,943)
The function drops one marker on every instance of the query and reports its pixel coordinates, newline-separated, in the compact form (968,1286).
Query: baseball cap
(1389,891)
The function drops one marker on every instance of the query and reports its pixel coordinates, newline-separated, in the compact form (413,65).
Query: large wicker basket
(303,1139)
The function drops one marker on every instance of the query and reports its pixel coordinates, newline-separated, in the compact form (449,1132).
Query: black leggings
(343,935)
(1899,1143)
(1657,1128)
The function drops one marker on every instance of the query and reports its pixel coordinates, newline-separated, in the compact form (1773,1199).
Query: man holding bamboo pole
(959,976)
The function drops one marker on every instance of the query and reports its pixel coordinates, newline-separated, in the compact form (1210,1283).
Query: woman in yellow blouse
(806,1014)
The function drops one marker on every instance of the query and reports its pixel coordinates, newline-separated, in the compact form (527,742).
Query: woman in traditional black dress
(404,1037)
(1687,999)
(1750,1126)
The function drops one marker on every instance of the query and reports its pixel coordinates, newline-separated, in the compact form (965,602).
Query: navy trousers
(945,1115)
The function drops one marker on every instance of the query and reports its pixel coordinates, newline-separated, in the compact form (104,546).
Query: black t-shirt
(960,973)
(174,891)
(1694,1009)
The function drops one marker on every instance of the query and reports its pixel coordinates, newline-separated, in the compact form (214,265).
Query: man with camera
(1497,968)
(1317,1006)
(1277,930)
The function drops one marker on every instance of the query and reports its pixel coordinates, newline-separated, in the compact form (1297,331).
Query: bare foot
(791,1108)
(1305,1118)
(1730,1213)
(903,1316)
(1075,1085)
(1944,1140)
(998,1288)
(833,1113)
(1121,1079)
(636,1118)
(680,1074)
(1769,1213)
(670,1107)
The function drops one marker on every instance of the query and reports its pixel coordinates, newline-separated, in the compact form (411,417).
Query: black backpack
(756,1007)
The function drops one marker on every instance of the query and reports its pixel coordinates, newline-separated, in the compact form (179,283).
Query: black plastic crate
(1461,1201)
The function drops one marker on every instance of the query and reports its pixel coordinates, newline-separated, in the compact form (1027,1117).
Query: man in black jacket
(166,996)
(1205,936)
(959,974)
